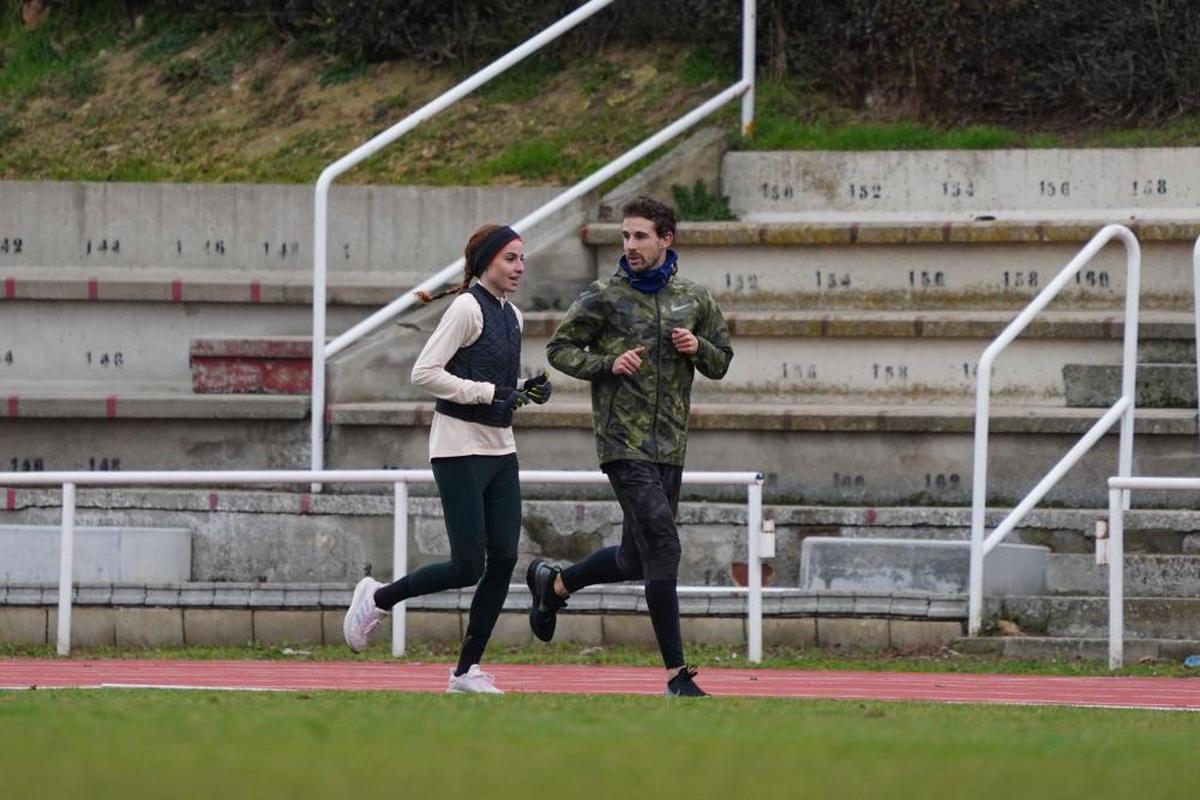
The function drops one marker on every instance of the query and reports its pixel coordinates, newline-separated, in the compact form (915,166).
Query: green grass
(124,744)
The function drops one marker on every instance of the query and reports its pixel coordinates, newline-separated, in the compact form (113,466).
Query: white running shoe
(363,615)
(473,681)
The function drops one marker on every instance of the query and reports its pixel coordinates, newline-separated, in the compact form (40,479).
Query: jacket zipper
(658,373)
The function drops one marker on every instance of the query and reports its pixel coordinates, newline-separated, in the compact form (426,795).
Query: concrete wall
(1005,184)
(393,229)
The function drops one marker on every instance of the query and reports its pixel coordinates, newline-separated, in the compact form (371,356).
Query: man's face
(644,248)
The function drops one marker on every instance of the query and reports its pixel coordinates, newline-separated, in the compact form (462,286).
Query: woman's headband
(494,243)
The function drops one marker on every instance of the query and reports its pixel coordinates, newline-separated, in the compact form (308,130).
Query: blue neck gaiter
(651,280)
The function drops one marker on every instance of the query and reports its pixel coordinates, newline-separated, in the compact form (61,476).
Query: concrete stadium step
(1158,385)
(253,229)
(103,428)
(1145,575)
(1087,617)
(901,356)
(135,335)
(906,264)
(1096,183)
(837,454)
(252,365)
(1043,648)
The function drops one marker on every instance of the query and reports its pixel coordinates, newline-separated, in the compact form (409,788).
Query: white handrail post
(1116,577)
(754,621)
(66,565)
(399,562)
(1196,314)
(317,421)
(1133,262)
(983,390)
(749,27)
(368,149)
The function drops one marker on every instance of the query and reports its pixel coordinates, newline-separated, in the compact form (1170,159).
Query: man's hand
(629,362)
(685,341)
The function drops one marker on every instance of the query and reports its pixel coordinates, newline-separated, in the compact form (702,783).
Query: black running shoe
(682,684)
(543,613)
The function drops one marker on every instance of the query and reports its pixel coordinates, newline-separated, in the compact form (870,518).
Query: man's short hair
(646,207)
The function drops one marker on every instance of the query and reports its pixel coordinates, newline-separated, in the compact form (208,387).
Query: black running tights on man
(649,549)
(481,501)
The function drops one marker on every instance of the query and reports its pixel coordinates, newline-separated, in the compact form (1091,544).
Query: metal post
(66,563)
(399,561)
(749,27)
(754,648)
(1116,578)
(1196,313)
(1133,259)
(979,494)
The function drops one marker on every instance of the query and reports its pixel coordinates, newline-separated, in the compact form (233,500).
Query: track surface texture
(1164,693)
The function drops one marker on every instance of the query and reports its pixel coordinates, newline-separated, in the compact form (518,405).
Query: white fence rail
(1119,489)
(1122,410)
(400,479)
(322,351)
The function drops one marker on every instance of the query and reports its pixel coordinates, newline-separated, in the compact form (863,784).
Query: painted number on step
(833,280)
(281,249)
(889,372)
(741,282)
(958,188)
(940,482)
(866,191)
(926,279)
(849,483)
(970,370)
(1092,278)
(774,191)
(102,246)
(1020,280)
(12,246)
(104,464)
(1054,188)
(27,464)
(1150,187)
(6,357)
(114,359)
(799,372)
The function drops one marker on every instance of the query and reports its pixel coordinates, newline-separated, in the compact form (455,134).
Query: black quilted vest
(495,357)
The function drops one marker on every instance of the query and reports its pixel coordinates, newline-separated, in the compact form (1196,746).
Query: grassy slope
(176,100)
(123,744)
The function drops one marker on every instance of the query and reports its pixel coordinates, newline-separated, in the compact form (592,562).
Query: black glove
(507,398)
(537,388)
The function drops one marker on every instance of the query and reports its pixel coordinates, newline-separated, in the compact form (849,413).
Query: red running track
(1157,693)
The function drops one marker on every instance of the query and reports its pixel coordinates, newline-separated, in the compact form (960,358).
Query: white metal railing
(400,480)
(322,351)
(1123,410)
(1119,489)
(1196,315)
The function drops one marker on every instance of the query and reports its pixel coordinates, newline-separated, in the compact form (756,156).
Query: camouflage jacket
(643,416)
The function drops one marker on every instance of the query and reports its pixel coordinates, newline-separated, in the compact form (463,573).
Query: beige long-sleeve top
(449,436)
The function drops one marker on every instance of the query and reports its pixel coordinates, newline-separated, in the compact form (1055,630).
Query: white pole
(317,410)
(1133,260)
(1196,313)
(983,390)
(749,26)
(404,301)
(399,562)
(66,563)
(1116,578)
(754,621)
